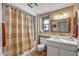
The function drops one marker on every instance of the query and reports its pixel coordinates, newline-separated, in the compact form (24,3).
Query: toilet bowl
(41,46)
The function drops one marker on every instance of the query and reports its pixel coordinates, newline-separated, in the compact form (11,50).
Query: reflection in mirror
(62,25)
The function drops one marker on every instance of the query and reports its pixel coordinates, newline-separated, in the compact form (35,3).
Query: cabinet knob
(78,49)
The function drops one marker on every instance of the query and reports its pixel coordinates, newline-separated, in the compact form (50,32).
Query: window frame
(46,17)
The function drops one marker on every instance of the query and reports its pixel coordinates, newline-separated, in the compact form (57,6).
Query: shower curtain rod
(17,8)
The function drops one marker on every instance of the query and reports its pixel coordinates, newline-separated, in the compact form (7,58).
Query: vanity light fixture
(64,15)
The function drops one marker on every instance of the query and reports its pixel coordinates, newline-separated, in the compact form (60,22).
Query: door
(67,53)
(52,51)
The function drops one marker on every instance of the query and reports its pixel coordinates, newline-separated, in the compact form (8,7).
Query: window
(46,24)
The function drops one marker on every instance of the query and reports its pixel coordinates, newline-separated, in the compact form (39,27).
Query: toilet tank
(43,40)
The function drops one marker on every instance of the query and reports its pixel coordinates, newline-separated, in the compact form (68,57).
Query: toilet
(41,46)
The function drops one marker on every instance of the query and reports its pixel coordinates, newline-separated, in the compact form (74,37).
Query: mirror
(62,25)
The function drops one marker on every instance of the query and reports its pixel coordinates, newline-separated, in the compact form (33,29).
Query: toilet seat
(40,47)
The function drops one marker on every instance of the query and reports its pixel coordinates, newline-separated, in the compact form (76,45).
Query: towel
(3,34)
(75,31)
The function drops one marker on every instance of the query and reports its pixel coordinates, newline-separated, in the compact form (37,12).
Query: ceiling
(46,7)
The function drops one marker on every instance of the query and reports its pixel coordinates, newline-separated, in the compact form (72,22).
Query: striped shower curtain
(30,28)
(18,31)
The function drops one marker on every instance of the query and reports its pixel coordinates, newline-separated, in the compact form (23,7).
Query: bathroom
(40,29)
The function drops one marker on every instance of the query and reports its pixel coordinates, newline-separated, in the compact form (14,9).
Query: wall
(0,29)
(70,10)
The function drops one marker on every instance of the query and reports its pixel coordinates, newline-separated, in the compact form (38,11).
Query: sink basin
(60,40)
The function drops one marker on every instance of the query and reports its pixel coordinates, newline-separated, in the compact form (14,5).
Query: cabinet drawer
(53,44)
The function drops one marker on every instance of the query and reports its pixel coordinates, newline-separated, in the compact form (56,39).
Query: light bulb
(56,16)
(65,15)
(60,16)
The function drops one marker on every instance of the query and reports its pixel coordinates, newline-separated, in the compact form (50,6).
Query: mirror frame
(69,25)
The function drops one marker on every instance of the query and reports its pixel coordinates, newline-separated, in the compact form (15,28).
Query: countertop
(64,41)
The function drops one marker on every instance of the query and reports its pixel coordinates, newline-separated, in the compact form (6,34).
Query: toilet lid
(41,46)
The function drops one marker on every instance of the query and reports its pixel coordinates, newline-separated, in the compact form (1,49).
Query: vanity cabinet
(60,49)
